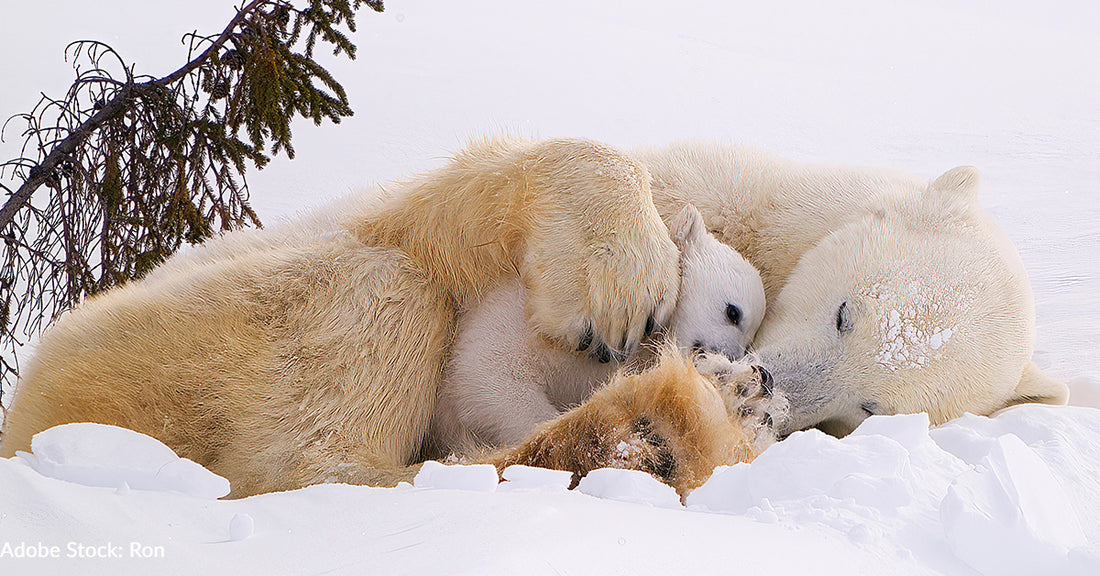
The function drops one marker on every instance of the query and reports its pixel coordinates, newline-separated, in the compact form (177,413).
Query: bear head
(919,304)
(721,300)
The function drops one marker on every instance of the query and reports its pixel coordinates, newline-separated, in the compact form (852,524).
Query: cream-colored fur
(503,380)
(281,358)
(887,293)
(311,352)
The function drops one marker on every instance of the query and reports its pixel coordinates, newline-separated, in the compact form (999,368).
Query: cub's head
(721,301)
(919,305)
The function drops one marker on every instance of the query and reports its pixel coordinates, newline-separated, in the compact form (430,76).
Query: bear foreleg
(574,219)
(669,421)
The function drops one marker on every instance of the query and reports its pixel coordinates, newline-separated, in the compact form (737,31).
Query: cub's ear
(961,181)
(1036,387)
(687,227)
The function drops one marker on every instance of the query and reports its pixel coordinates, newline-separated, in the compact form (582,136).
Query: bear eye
(843,319)
(733,314)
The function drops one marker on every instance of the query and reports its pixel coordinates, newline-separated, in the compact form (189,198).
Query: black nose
(765,380)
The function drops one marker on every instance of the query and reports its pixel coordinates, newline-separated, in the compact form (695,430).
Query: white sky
(1012,87)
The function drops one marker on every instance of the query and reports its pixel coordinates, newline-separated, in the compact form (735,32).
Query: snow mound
(479,477)
(870,468)
(1009,515)
(988,491)
(607,483)
(113,457)
(1012,494)
(628,486)
(241,527)
(521,477)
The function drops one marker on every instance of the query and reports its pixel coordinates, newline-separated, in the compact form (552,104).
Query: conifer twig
(136,165)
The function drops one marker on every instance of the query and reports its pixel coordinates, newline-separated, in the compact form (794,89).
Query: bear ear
(1036,387)
(687,227)
(962,181)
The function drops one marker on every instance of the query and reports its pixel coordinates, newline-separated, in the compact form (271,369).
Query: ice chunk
(112,457)
(521,477)
(478,478)
(628,486)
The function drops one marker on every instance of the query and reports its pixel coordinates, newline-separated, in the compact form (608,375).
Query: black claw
(586,340)
(768,420)
(765,380)
(650,324)
(745,411)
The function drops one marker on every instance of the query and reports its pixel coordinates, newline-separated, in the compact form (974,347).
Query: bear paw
(597,260)
(604,299)
(749,395)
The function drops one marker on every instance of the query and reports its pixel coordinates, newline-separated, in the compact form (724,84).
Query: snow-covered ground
(1016,494)
(1012,87)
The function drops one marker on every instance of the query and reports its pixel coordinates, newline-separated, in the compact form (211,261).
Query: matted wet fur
(669,420)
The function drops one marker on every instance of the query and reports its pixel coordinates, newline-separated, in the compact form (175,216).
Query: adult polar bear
(886,293)
(286,357)
(311,352)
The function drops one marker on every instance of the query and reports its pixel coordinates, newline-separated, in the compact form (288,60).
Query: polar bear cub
(503,379)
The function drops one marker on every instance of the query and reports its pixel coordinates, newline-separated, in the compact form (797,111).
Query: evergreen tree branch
(214,46)
(131,166)
(42,171)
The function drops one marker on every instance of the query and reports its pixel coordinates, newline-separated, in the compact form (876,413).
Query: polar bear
(312,352)
(887,293)
(502,380)
(280,358)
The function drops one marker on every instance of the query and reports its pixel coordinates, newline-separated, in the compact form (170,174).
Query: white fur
(939,314)
(503,379)
(713,275)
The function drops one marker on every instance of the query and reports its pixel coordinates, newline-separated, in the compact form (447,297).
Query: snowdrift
(1012,494)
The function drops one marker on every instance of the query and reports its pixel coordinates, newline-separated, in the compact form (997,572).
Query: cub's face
(721,299)
(899,313)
